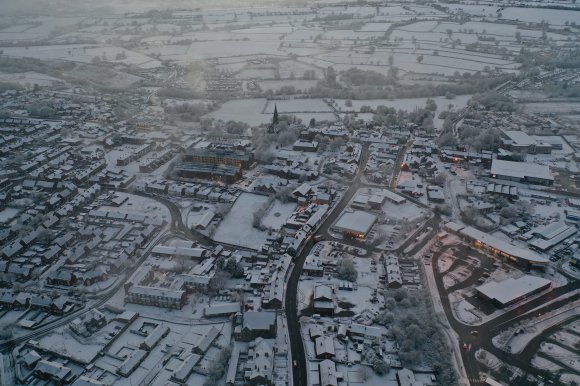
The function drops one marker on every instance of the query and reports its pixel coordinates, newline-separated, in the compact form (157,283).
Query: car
(465,346)
(295,364)
(473,332)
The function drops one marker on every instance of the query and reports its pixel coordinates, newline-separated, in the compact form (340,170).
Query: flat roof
(519,137)
(520,169)
(511,289)
(502,245)
(357,221)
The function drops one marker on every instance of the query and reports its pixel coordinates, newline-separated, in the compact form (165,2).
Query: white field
(278,214)
(237,227)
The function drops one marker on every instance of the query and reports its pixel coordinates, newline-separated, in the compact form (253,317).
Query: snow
(236,228)
(533,328)
(8,214)
(278,213)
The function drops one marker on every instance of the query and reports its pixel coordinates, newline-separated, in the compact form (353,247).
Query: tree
(447,140)
(346,270)
(440,178)
(217,367)
(420,59)
(380,366)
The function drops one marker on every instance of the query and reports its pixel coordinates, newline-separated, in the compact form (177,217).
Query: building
(303,145)
(54,372)
(259,367)
(406,377)
(323,300)
(525,172)
(239,159)
(324,347)
(497,246)
(221,310)
(257,324)
(156,296)
(393,271)
(328,374)
(511,291)
(221,173)
(515,140)
(355,224)
(205,341)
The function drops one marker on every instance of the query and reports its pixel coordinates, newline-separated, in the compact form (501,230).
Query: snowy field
(278,213)
(236,228)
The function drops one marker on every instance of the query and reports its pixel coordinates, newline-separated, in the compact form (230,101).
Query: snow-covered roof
(511,289)
(519,138)
(357,222)
(520,170)
(502,245)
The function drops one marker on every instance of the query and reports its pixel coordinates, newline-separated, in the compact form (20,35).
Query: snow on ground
(569,378)
(445,261)
(533,328)
(488,359)
(236,228)
(244,110)
(140,205)
(84,351)
(544,364)
(466,312)
(278,214)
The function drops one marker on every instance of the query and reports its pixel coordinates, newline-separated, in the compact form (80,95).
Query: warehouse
(511,291)
(525,172)
(497,246)
(355,224)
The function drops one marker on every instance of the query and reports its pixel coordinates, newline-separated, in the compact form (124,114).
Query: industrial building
(519,141)
(525,172)
(511,291)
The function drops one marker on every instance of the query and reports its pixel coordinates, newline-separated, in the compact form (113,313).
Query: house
(405,377)
(328,374)
(156,296)
(53,371)
(62,278)
(324,347)
(205,341)
(323,300)
(259,367)
(257,324)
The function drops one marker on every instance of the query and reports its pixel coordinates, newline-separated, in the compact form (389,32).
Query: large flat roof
(503,245)
(511,289)
(520,169)
(357,221)
(519,137)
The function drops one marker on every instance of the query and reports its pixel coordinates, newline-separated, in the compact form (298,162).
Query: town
(307,193)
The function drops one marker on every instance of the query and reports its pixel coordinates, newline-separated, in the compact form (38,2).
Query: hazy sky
(61,7)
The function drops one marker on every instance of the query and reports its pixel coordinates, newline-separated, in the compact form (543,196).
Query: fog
(70,7)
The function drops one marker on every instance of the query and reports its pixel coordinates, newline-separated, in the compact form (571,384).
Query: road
(299,372)
(487,330)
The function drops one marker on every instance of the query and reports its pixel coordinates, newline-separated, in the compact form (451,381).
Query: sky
(61,7)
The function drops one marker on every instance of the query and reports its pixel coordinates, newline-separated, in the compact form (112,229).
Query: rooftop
(520,169)
(357,221)
(511,289)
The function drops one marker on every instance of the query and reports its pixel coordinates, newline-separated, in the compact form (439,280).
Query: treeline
(366,89)
(180,93)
